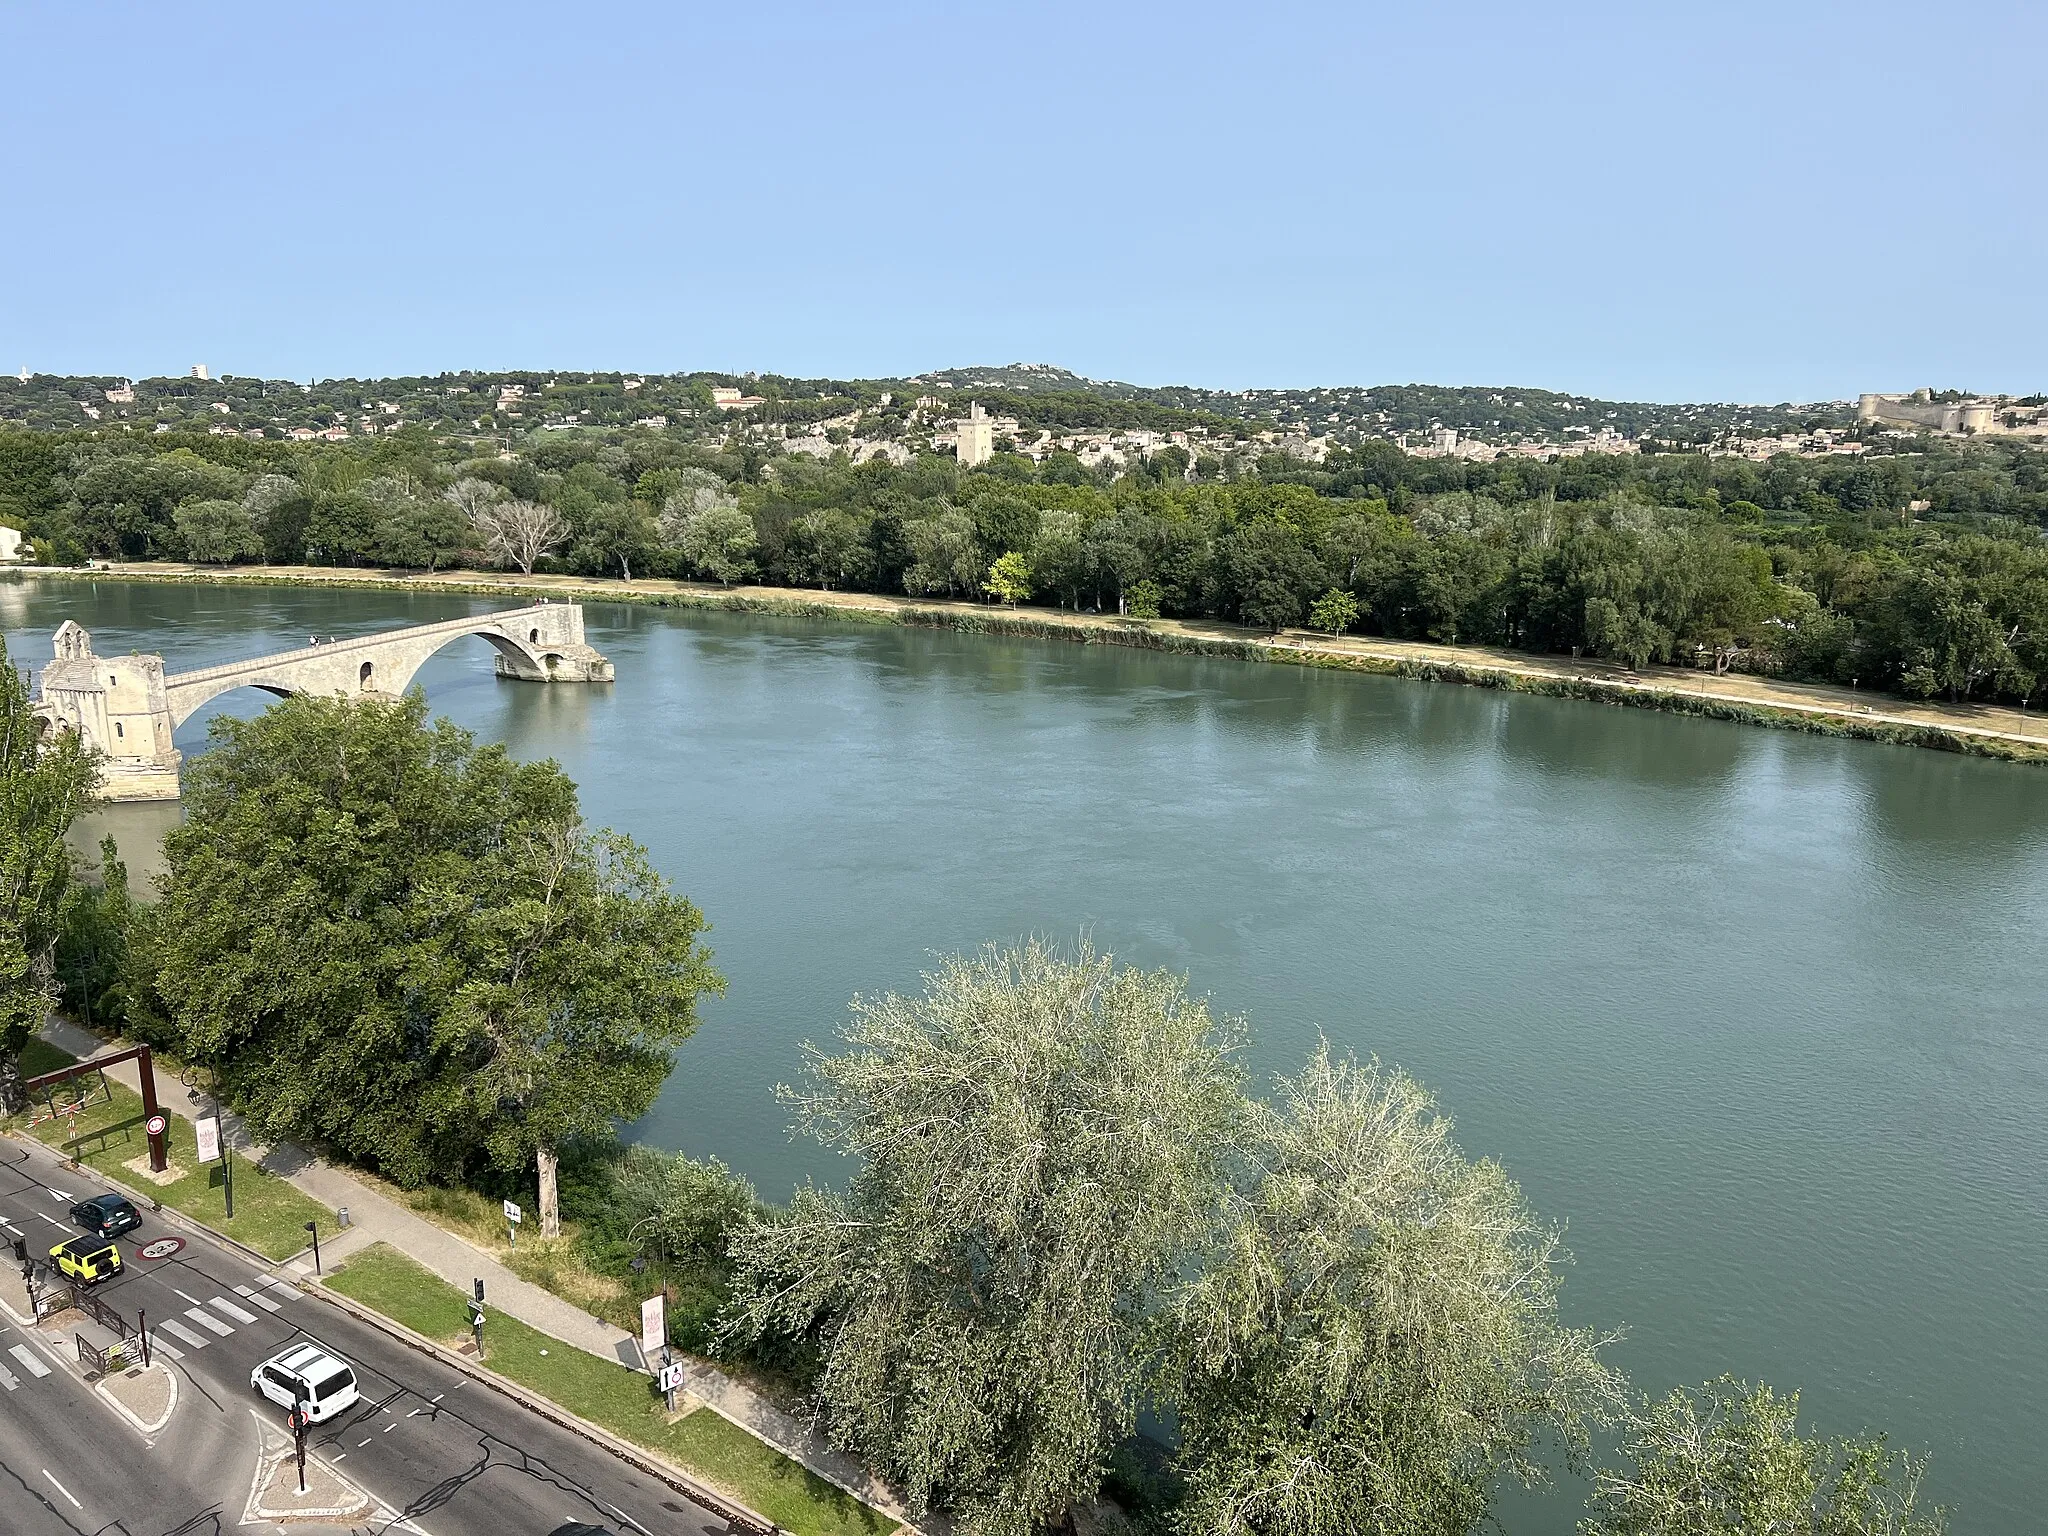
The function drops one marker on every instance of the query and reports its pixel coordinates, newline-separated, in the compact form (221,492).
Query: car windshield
(333,1384)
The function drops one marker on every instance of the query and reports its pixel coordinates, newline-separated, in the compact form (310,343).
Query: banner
(653,1327)
(208,1131)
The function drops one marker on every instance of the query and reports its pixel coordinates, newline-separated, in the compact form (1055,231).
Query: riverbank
(1976,730)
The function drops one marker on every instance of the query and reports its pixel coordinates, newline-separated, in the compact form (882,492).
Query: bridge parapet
(131,715)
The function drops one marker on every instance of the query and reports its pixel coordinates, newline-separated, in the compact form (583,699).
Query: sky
(1719,201)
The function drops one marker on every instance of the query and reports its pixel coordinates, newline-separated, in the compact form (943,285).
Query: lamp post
(313,1231)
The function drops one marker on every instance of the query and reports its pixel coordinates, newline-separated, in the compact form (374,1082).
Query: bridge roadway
(130,709)
(440,1452)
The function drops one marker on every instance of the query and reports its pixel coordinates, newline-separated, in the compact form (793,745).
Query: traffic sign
(157,1125)
(160,1248)
(670,1378)
(511,1211)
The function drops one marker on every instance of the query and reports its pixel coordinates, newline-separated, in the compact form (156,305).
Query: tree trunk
(550,1202)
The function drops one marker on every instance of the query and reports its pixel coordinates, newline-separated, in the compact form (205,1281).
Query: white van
(307,1374)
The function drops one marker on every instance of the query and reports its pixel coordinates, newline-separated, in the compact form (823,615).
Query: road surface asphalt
(439,1452)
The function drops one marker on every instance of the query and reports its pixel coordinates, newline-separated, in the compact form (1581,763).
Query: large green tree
(1375,1341)
(385,937)
(1037,1139)
(46,780)
(1728,1459)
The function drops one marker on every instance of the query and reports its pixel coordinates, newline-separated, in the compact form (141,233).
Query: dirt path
(1764,701)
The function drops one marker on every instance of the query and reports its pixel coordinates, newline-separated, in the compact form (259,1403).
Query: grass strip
(108,1134)
(609,1395)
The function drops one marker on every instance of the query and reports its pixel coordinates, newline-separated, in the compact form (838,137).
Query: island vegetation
(1922,572)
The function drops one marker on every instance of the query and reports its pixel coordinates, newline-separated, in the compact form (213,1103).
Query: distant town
(1034,411)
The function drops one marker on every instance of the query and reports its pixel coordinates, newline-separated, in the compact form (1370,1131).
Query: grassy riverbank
(1976,730)
(612,1397)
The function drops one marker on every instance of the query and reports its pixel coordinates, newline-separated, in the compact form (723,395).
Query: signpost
(298,1423)
(476,1317)
(207,1133)
(511,1223)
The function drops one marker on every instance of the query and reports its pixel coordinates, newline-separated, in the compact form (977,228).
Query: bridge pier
(129,708)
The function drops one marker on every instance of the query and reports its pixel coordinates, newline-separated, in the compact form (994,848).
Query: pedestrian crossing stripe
(8,1379)
(28,1361)
(158,1347)
(285,1289)
(208,1321)
(248,1293)
(179,1331)
(222,1304)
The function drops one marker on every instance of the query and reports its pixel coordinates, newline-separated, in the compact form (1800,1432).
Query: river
(1759,1016)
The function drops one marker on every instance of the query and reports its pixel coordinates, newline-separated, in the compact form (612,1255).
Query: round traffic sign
(157,1125)
(161,1248)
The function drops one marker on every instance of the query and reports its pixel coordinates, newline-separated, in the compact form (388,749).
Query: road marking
(222,1304)
(387,1428)
(416,1413)
(208,1321)
(361,1443)
(342,1457)
(178,1330)
(62,1489)
(61,1196)
(53,1221)
(8,1379)
(629,1520)
(438,1396)
(28,1361)
(258,1297)
(188,1296)
(158,1347)
(290,1291)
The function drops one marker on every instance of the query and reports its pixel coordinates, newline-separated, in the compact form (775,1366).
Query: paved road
(443,1453)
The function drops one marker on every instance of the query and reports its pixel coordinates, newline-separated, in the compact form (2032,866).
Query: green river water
(1759,1016)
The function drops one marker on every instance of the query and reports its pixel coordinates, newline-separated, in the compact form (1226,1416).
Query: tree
(46,782)
(712,532)
(1376,1340)
(1036,1141)
(218,531)
(1009,579)
(516,532)
(421,533)
(1334,612)
(383,936)
(1728,1460)
(583,971)
(1267,574)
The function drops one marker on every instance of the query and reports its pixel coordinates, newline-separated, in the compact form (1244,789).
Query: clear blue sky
(1675,201)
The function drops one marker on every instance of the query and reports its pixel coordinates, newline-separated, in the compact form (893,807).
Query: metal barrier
(100,1362)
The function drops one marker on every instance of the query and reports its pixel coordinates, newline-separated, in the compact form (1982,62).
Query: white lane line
(188,1296)
(361,1443)
(28,1361)
(258,1297)
(8,1379)
(208,1321)
(53,1221)
(342,1457)
(222,1304)
(178,1330)
(62,1489)
(391,1426)
(438,1396)
(416,1413)
(629,1519)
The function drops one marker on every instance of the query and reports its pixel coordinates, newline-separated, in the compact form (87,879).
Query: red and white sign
(157,1125)
(161,1248)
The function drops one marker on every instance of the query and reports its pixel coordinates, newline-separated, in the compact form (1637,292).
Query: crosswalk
(216,1318)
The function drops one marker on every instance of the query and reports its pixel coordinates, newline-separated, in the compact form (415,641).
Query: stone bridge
(129,707)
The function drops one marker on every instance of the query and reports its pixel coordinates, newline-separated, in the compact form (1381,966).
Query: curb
(121,1408)
(702,1494)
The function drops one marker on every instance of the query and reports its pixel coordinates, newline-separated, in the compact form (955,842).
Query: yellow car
(87,1259)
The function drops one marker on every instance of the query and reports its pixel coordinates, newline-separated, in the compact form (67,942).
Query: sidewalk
(374,1218)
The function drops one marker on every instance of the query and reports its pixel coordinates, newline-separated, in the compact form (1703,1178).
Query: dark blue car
(107,1215)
